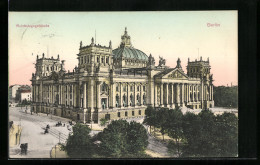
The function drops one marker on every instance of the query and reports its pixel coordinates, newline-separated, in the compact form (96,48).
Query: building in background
(12,92)
(24,93)
(116,84)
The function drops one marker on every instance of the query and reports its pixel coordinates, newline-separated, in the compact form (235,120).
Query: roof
(130,53)
(26,91)
(166,71)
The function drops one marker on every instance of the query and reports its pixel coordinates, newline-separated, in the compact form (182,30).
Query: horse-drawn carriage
(46,130)
(24,148)
(59,124)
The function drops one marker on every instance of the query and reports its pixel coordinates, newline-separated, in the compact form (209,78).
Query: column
(134,94)
(187,93)
(128,94)
(161,94)
(84,95)
(167,93)
(98,103)
(121,95)
(112,97)
(177,94)
(212,92)
(172,101)
(182,93)
(155,94)
(197,90)
(193,93)
(188,86)
(141,94)
(91,95)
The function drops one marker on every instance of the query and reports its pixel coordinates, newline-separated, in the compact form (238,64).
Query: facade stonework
(117,84)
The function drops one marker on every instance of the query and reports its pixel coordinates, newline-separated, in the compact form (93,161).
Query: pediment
(176,74)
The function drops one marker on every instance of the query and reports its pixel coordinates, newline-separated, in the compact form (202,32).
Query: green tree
(150,117)
(226,135)
(79,144)
(137,139)
(103,121)
(226,96)
(198,131)
(121,139)
(191,131)
(174,127)
(161,120)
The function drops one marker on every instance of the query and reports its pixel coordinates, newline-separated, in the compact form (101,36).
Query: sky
(171,34)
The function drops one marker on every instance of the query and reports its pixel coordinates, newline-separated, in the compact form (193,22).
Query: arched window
(144,99)
(138,99)
(117,88)
(124,101)
(131,100)
(104,87)
(117,100)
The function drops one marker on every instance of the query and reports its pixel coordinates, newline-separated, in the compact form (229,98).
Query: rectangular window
(118,114)
(139,112)
(70,96)
(117,89)
(143,88)
(126,114)
(133,113)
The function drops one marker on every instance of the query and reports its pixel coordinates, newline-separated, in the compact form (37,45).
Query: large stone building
(117,84)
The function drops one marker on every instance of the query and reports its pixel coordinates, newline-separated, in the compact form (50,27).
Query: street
(39,144)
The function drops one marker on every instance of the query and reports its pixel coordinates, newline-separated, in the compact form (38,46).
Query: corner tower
(93,57)
(201,69)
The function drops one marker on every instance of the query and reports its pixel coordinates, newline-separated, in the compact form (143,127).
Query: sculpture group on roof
(162,61)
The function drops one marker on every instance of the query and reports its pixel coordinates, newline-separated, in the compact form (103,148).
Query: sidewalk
(14,135)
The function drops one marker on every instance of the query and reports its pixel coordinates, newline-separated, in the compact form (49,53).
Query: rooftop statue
(151,60)
(162,61)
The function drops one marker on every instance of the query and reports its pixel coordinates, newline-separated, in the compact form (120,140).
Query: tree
(191,131)
(226,135)
(79,144)
(226,96)
(199,134)
(161,120)
(121,139)
(137,139)
(103,121)
(207,135)
(150,117)
(174,127)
